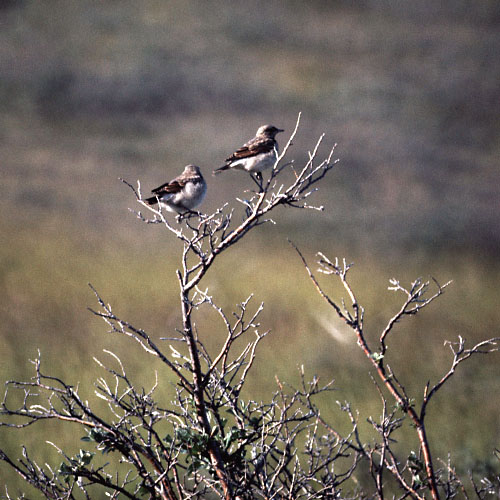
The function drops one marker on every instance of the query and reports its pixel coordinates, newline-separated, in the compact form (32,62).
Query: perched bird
(256,155)
(181,194)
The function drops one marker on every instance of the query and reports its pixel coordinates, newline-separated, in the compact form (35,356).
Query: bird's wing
(170,187)
(253,148)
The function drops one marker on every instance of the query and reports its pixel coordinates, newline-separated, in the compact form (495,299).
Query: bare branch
(460,354)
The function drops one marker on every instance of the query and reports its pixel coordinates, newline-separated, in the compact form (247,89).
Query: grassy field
(46,299)
(90,93)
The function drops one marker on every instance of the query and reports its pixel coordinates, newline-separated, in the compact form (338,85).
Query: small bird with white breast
(258,154)
(181,194)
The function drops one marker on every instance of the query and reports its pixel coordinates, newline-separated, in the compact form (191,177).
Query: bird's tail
(220,169)
(151,201)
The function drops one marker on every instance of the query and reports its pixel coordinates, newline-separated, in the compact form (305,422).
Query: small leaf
(65,469)
(86,457)
(377,356)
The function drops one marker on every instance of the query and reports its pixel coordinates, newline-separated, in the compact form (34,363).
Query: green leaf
(85,457)
(255,421)
(234,434)
(65,469)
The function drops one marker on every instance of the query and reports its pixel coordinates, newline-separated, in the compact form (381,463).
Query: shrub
(212,442)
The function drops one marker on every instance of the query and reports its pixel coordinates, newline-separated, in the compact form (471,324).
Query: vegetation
(210,441)
(409,90)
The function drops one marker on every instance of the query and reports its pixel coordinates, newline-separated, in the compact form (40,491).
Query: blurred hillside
(410,94)
(410,91)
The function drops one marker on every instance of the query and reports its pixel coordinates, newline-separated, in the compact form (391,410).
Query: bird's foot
(257,178)
(188,214)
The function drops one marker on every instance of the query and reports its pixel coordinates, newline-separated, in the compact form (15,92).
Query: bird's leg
(257,178)
(260,179)
(188,214)
(183,215)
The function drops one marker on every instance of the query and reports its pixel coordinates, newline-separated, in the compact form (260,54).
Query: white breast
(256,163)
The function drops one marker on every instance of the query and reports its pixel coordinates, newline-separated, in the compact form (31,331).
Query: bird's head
(269,131)
(192,170)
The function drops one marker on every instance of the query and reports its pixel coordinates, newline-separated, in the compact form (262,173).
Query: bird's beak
(280,130)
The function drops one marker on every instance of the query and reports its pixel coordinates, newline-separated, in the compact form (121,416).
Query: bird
(256,155)
(181,194)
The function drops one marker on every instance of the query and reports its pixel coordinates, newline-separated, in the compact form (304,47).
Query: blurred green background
(410,91)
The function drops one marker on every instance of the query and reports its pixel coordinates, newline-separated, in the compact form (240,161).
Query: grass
(46,299)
